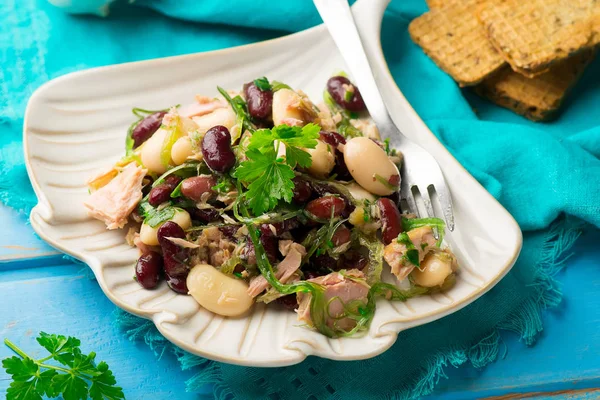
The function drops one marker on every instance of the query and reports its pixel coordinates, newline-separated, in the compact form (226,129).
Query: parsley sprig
(79,377)
(268,175)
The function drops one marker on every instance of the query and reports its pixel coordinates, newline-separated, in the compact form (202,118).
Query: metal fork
(420,173)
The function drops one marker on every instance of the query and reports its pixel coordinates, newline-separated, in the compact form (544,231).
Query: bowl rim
(44,210)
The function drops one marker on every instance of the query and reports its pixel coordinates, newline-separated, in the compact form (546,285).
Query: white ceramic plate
(75,125)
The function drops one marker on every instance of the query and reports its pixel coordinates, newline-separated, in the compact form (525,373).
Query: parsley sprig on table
(270,176)
(78,377)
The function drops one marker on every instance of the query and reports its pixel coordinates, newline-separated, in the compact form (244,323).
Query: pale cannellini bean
(218,292)
(148,234)
(366,161)
(221,116)
(181,150)
(323,159)
(285,103)
(359,193)
(434,269)
(151,152)
(187,125)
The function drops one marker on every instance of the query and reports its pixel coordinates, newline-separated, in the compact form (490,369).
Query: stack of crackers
(521,54)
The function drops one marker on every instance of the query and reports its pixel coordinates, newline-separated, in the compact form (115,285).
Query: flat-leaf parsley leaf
(270,177)
(271,180)
(33,378)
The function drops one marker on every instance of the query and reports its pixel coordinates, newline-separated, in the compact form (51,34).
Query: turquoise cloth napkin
(546,175)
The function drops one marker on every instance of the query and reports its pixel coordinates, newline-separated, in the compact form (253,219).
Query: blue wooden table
(41,291)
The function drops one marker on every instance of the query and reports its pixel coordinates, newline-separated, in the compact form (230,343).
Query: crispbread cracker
(534,34)
(454,39)
(437,3)
(537,98)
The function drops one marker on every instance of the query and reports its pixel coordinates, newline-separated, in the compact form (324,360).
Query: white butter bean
(181,150)
(359,193)
(323,160)
(148,234)
(218,292)
(368,164)
(151,152)
(285,108)
(221,116)
(435,268)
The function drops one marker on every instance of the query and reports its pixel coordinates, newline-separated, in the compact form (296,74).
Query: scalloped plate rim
(44,210)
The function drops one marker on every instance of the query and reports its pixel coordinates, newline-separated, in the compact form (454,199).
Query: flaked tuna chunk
(345,288)
(394,253)
(286,268)
(202,106)
(113,202)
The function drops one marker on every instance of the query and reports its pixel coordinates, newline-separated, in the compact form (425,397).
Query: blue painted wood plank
(567,355)
(18,241)
(62,299)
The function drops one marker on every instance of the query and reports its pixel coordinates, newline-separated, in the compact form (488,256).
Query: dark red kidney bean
(260,103)
(229,231)
(148,269)
(174,256)
(269,243)
(204,215)
(177,283)
(288,302)
(162,192)
(146,128)
(353,259)
(332,138)
(394,180)
(340,168)
(302,190)
(395,198)
(335,87)
(341,236)
(326,207)
(390,219)
(216,149)
(172,181)
(279,227)
(159,194)
(194,187)
(324,263)
(323,189)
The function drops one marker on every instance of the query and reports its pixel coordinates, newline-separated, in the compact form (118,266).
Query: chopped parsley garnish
(263,84)
(224,185)
(412,254)
(348,94)
(270,177)
(385,182)
(276,85)
(344,127)
(177,191)
(271,180)
(241,111)
(153,216)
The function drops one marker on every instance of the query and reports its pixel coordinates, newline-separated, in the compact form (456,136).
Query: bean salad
(263,196)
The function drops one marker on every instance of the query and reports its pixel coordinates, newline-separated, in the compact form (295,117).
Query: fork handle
(338,18)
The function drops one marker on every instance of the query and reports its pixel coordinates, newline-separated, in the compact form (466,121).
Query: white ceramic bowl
(76,124)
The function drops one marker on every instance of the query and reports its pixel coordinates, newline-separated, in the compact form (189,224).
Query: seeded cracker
(454,39)
(437,3)
(534,34)
(536,98)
